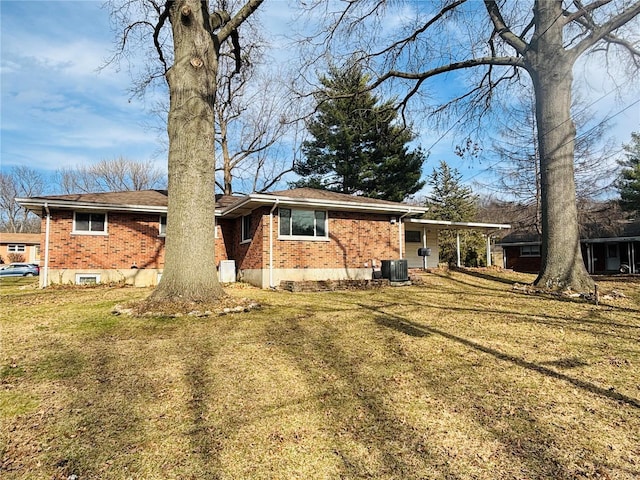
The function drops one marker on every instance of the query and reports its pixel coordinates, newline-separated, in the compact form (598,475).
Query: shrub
(15,257)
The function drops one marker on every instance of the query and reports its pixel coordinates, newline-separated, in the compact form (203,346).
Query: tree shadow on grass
(486,276)
(401,324)
(568,323)
(99,423)
(542,295)
(519,429)
(106,423)
(356,415)
(205,436)
(402,446)
(547,299)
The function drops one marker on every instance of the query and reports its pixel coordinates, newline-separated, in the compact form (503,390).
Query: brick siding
(132,239)
(355,239)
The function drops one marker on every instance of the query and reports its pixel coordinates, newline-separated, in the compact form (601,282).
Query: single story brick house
(261,238)
(615,249)
(26,245)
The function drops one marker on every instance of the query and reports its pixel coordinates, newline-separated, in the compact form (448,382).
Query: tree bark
(550,66)
(190,271)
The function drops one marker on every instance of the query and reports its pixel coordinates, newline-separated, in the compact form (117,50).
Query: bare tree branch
(605,30)
(501,28)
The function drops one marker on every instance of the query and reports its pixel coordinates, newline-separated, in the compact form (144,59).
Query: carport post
(488,250)
(458,246)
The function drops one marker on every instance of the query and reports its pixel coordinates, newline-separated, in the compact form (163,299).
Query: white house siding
(411,248)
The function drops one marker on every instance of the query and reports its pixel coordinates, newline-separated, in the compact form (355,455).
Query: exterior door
(613,257)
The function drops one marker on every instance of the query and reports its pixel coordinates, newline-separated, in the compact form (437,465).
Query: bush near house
(15,258)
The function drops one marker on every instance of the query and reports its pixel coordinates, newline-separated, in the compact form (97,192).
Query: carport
(429,230)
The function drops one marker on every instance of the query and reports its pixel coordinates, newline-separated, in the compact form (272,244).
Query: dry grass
(462,377)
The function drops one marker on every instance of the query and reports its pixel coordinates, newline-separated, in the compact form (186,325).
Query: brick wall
(132,239)
(355,239)
(254,254)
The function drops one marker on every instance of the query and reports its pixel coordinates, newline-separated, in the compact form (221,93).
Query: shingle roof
(150,198)
(521,237)
(312,193)
(27,238)
(159,198)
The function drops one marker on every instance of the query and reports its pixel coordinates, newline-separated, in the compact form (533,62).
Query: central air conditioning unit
(395,270)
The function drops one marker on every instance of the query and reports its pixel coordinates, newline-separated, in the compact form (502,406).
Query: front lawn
(462,377)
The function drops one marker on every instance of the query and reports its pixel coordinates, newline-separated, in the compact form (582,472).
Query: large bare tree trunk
(190,270)
(550,67)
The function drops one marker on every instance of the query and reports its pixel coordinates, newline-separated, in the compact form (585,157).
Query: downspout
(400,242)
(275,205)
(45,279)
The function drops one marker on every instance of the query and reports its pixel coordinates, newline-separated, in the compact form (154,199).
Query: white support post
(458,247)
(488,250)
(424,244)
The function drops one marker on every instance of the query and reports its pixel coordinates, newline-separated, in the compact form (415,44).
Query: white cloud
(57,108)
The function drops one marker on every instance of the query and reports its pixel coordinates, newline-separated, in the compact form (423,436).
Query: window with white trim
(246,228)
(89,223)
(530,251)
(302,223)
(16,248)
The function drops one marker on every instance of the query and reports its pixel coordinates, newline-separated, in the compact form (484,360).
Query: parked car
(19,270)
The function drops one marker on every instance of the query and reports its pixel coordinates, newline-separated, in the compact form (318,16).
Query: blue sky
(58,109)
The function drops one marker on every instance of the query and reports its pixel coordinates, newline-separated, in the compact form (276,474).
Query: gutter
(45,279)
(400,239)
(34,204)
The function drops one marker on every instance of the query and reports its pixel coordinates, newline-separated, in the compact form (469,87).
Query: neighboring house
(292,235)
(521,252)
(25,244)
(611,250)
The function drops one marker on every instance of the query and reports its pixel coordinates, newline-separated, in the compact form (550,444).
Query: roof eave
(460,225)
(34,205)
(251,201)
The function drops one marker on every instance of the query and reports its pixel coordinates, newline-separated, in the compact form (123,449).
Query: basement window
(87,278)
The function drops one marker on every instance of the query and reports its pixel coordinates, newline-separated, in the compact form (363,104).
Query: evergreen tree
(629,182)
(452,201)
(357,146)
